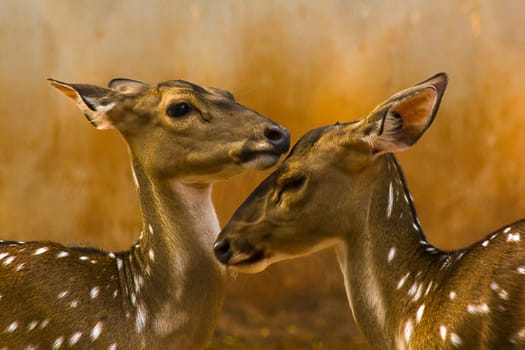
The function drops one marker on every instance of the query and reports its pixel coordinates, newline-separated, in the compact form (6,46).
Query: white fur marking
(93,293)
(57,344)
(62,255)
(443,332)
(8,261)
(96,331)
(390,201)
(409,328)
(12,327)
(391,254)
(141,318)
(41,250)
(478,309)
(402,280)
(419,313)
(455,339)
(32,325)
(75,338)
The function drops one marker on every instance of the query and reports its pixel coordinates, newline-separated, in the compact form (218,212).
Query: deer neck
(174,257)
(385,288)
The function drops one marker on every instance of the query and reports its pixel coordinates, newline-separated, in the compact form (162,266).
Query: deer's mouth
(248,263)
(259,159)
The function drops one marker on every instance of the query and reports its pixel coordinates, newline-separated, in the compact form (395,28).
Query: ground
(322,325)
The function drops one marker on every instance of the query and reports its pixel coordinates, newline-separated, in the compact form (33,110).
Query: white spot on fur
(521,269)
(485,243)
(57,344)
(150,228)
(478,309)
(513,237)
(429,287)
(84,258)
(75,338)
(452,295)
(20,266)
(111,255)
(140,321)
(62,294)
(391,254)
(402,280)
(507,230)
(119,264)
(32,325)
(443,332)
(93,293)
(409,329)
(419,313)
(9,260)
(151,255)
(96,331)
(390,201)
(112,346)
(41,251)
(62,255)
(12,327)
(73,304)
(3,255)
(520,335)
(455,339)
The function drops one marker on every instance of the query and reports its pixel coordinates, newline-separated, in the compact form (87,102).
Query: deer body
(341,187)
(167,290)
(407,294)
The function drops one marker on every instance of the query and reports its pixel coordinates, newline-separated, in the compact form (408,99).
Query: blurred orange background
(301,63)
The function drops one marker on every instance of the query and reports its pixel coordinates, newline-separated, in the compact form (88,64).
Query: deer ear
(398,123)
(94,101)
(128,86)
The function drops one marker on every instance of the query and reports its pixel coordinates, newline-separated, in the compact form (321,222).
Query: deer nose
(222,250)
(278,137)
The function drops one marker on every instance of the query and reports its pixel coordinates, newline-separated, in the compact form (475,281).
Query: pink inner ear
(405,122)
(417,110)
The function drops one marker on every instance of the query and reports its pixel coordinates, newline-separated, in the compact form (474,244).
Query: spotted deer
(167,290)
(342,187)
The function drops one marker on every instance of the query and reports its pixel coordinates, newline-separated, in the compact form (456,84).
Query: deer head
(322,192)
(217,136)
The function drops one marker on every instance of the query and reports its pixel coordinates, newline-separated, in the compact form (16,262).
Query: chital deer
(342,187)
(166,291)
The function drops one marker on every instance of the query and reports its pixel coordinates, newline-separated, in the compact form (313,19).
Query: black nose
(279,137)
(222,250)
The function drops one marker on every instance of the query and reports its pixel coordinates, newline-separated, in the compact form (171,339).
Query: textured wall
(301,63)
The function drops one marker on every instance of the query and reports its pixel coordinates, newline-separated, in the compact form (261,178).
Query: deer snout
(222,250)
(279,137)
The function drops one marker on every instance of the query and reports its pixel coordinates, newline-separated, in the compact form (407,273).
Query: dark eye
(294,184)
(176,110)
(291,185)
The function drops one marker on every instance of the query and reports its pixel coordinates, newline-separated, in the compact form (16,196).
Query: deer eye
(294,184)
(291,185)
(179,109)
